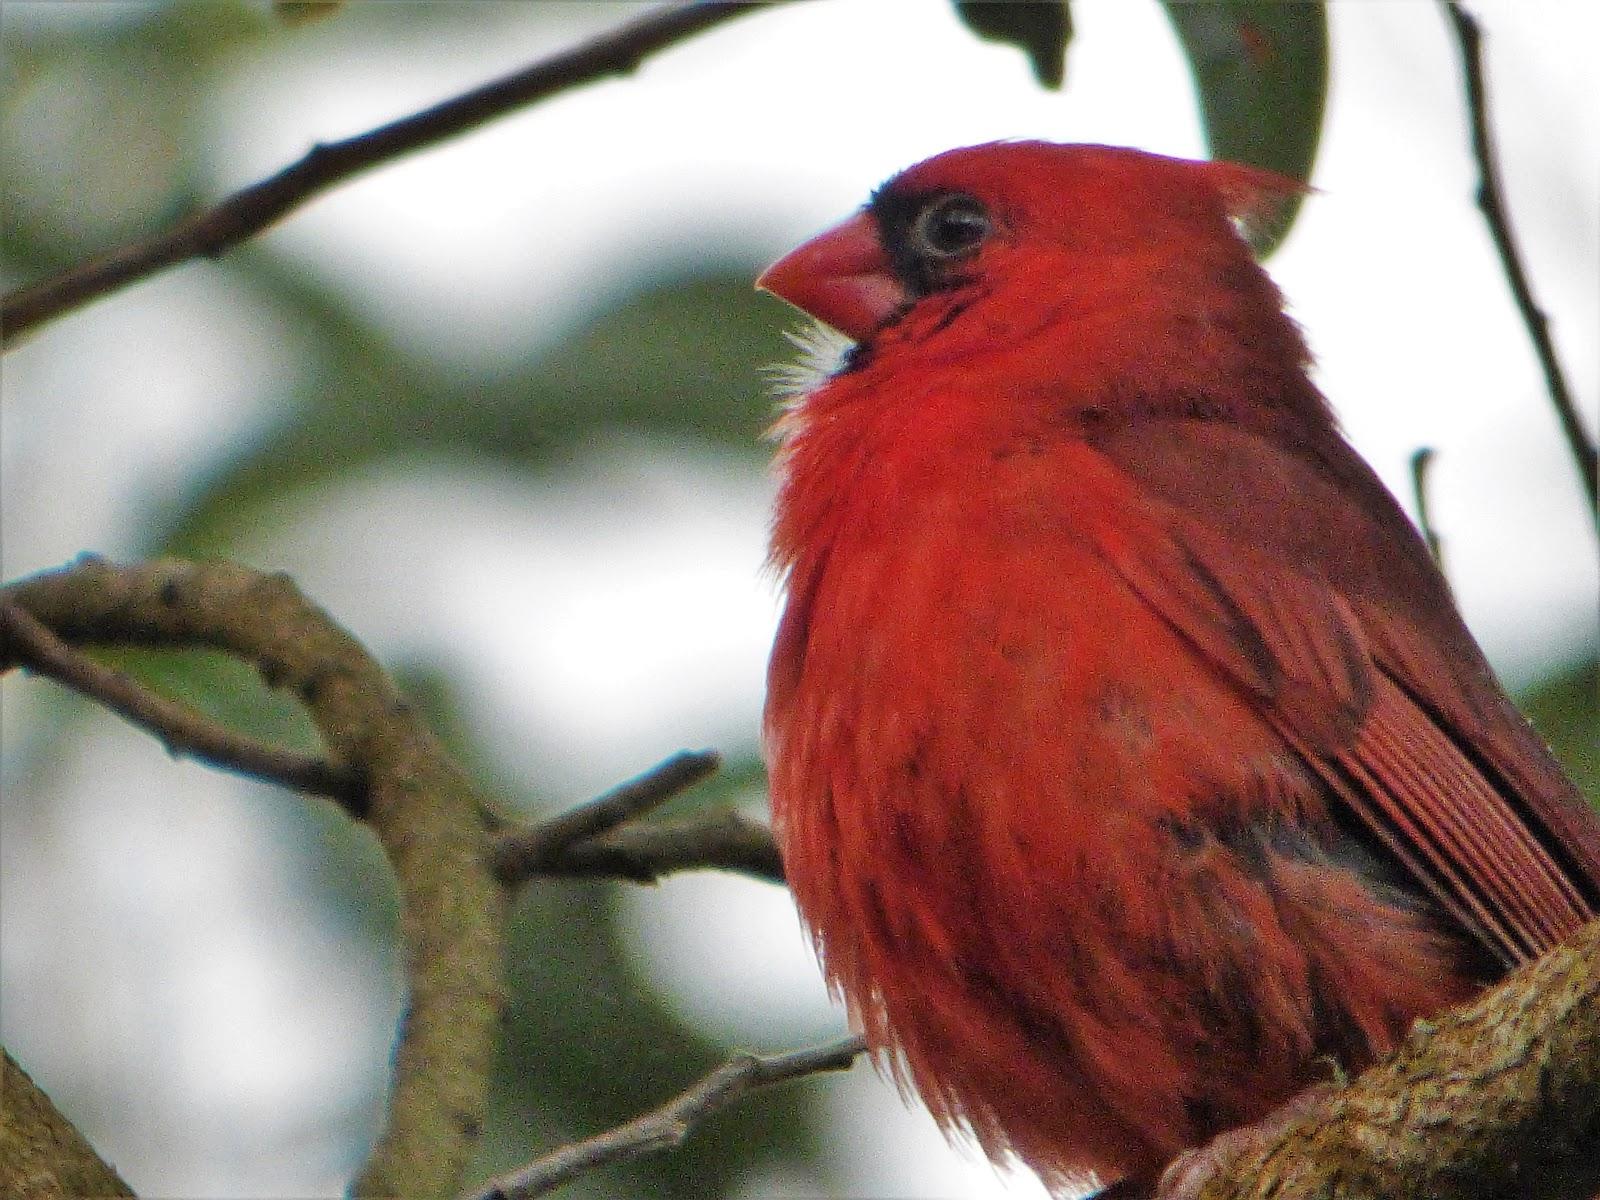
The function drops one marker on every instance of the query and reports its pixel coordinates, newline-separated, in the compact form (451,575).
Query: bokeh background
(499,408)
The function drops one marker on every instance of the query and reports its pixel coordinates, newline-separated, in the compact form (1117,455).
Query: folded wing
(1299,578)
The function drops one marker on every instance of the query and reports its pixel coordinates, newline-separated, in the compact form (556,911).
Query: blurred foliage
(1565,709)
(1261,74)
(303,12)
(588,1042)
(1041,29)
(679,361)
(221,687)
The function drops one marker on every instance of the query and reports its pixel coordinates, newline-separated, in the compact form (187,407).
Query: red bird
(1129,758)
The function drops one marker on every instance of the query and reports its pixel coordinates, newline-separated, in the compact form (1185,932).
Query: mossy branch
(1498,1099)
(42,1155)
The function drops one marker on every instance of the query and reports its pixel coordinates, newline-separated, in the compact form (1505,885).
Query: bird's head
(1035,218)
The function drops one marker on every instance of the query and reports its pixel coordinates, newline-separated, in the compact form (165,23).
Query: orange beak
(842,278)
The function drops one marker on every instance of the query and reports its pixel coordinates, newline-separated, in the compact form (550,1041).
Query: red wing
(1313,611)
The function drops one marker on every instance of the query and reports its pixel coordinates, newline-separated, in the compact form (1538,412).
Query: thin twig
(1421,461)
(1491,200)
(670,1124)
(523,853)
(724,841)
(181,729)
(249,211)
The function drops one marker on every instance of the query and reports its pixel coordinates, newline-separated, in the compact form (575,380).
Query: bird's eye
(950,227)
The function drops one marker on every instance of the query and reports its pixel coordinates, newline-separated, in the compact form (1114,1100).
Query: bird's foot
(1187,1174)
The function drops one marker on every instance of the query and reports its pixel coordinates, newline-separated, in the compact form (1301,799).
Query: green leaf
(1041,29)
(1261,72)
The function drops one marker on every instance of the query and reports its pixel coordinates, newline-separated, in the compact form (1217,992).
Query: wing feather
(1349,646)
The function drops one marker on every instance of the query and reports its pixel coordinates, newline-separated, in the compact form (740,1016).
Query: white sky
(572,621)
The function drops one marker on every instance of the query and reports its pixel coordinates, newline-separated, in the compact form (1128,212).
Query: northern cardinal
(1129,759)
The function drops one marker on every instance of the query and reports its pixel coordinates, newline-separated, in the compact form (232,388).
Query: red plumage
(1128,755)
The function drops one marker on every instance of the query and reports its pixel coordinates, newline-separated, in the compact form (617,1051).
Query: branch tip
(326,165)
(672,1123)
(1491,201)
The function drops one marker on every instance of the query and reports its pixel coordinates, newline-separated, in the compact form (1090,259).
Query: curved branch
(26,643)
(590,841)
(247,212)
(432,826)
(669,1125)
(1491,200)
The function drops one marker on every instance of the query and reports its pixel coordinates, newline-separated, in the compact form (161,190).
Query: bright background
(497,407)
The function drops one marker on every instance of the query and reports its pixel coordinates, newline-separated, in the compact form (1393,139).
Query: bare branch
(523,853)
(1491,200)
(626,801)
(724,841)
(247,212)
(181,729)
(585,842)
(669,1125)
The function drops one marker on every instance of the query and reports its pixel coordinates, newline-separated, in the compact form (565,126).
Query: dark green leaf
(1041,29)
(1261,72)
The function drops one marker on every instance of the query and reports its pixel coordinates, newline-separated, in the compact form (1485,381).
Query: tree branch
(432,825)
(725,841)
(518,851)
(1495,1100)
(26,643)
(42,1154)
(669,1125)
(586,842)
(445,844)
(247,212)
(1491,200)
(593,839)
